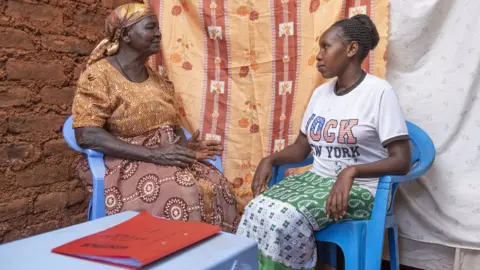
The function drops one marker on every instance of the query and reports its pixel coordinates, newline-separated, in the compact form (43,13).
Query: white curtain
(434,65)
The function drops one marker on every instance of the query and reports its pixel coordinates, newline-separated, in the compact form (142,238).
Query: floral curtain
(244,70)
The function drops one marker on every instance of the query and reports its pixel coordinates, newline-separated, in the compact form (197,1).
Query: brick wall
(43,45)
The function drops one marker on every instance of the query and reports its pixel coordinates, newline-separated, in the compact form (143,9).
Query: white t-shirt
(353,128)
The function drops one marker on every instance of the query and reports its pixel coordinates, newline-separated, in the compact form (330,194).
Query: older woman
(127,111)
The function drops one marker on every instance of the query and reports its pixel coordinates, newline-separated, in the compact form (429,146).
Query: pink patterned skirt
(197,193)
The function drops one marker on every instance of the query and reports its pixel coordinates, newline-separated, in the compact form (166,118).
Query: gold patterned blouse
(105,98)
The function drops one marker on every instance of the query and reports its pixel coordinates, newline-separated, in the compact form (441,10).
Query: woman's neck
(132,65)
(349,77)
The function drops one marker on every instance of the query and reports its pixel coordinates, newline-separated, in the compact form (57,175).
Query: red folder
(138,241)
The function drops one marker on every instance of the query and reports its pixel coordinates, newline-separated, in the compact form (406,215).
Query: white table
(222,252)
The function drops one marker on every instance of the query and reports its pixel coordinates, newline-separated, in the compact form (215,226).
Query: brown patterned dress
(146,114)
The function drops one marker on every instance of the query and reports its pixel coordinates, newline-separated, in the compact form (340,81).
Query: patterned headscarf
(121,18)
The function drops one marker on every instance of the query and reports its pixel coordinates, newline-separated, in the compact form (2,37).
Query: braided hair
(362,30)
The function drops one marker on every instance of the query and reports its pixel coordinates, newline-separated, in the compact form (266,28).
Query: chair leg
(89,212)
(352,259)
(393,248)
(332,255)
(327,254)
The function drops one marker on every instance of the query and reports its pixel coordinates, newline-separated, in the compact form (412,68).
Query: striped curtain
(244,70)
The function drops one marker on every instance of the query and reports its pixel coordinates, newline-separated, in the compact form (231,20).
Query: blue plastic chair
(362,241)
(96,207)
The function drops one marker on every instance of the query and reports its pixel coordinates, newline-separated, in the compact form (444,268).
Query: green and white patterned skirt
(283,219)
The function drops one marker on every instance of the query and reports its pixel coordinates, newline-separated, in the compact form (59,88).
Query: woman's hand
(172,154)
(262,176)
(204,149)
(337,202)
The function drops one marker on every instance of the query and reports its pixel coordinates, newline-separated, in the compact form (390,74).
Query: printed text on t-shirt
(333,131)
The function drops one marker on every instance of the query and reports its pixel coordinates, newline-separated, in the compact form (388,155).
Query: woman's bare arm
(397,162)
(98,139)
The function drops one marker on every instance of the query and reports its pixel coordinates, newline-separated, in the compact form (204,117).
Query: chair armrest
(279,171)
(306,162)
(417,170)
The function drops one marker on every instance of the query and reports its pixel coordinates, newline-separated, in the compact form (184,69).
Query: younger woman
(355,129)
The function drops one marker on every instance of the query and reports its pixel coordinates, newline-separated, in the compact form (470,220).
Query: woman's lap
(198,193)
(283,219)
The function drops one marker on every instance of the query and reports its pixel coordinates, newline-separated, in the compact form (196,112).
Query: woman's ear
(125,36)
(352,49)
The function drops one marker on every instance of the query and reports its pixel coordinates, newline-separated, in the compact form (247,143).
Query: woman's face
(145,35)
(334,53)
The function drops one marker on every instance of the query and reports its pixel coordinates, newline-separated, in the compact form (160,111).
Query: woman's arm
(398,162)
(100,140)
(294,153)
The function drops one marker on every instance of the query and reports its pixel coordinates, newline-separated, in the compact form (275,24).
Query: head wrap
(121,18)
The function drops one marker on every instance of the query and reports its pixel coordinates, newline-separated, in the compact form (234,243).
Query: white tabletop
(223,251)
